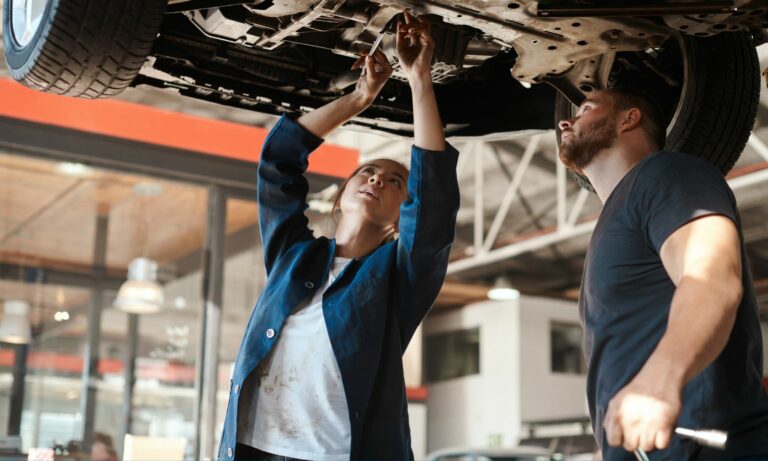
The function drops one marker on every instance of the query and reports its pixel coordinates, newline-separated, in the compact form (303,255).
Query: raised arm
(322,121)
(428,216)
(282,188)
(703,259)
(414,49)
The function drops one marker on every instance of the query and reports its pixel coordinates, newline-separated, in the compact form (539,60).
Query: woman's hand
(376,72)
(327,118)
(415,47)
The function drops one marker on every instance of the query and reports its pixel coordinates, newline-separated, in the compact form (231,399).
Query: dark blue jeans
(248,453)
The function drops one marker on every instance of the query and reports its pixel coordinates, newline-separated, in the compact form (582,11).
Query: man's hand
(415,47)
(376,75)
(643,414)
(703,260)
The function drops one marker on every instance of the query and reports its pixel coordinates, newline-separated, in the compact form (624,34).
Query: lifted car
(497,62)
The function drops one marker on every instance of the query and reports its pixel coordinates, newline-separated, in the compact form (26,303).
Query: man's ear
(629,119)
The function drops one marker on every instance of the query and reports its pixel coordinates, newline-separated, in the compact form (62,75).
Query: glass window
(244,277)
(452,355)
(7,357)
(56,223)
(565,343)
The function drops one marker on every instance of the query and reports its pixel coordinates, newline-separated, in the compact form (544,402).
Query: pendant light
(502,290)
(15,327)
(141,293)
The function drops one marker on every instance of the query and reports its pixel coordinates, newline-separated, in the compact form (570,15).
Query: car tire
(82,48)
(718,103)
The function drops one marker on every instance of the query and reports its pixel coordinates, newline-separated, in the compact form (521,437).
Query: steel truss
(485,251)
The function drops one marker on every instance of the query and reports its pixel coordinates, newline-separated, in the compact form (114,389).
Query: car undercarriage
(281,55)
(499,65)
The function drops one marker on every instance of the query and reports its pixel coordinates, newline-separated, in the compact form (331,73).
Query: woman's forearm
(327,118)
(427,126)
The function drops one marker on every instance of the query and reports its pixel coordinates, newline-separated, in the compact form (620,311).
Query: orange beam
(416,394)
(136,122)
(63,363)
(168,371)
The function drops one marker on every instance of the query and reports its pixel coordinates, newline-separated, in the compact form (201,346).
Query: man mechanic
(671,332)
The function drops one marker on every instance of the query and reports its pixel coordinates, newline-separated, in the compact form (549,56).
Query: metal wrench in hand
(707,437)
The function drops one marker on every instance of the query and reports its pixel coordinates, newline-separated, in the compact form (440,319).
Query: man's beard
(579,150)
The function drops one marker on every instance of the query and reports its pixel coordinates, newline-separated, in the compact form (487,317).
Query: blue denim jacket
(373,307)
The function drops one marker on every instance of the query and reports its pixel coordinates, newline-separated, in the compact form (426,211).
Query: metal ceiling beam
(511,193)
(758,145)
(477,152)
(16,272)
(515,249)
(578,206)
(567,229)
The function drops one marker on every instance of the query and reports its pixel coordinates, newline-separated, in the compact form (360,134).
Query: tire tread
(716,117)
(91,48)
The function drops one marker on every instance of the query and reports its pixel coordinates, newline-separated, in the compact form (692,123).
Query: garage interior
(81,201)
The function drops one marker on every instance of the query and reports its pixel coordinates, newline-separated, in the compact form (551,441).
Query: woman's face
(376,191)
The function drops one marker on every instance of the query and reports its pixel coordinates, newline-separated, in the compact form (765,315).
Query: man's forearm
(701,318)
(703,260)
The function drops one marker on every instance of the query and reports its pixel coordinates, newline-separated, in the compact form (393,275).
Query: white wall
(417,411)
(515,384)
(546,395)
(484,409)
(417,419)
(764,329)
(412,360)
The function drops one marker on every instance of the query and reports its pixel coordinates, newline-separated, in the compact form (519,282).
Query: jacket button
(309,284)
(270,333)
(237,388)
(229,452)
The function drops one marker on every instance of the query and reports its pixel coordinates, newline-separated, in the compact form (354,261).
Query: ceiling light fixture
(74,169)
(15,328)
(502,290)
(61,316)
(141,293)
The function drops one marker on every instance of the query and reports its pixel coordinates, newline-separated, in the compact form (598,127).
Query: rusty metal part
(560,9)
(360,38)
(765,75)
(546,47)
(325,7)
(574,52)
(180,6)
(282,8)
(214,24)
(744,15)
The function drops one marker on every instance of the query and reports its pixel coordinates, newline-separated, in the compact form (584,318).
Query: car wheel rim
(26,18)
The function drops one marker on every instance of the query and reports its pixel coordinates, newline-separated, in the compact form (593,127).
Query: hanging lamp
(502,290)
(141,293)
(15,327)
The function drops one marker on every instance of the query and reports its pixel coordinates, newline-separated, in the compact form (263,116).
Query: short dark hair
(652,121)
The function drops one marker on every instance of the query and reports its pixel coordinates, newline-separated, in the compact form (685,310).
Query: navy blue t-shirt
(625,299)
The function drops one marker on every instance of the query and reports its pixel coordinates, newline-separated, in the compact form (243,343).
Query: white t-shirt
(294,404)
